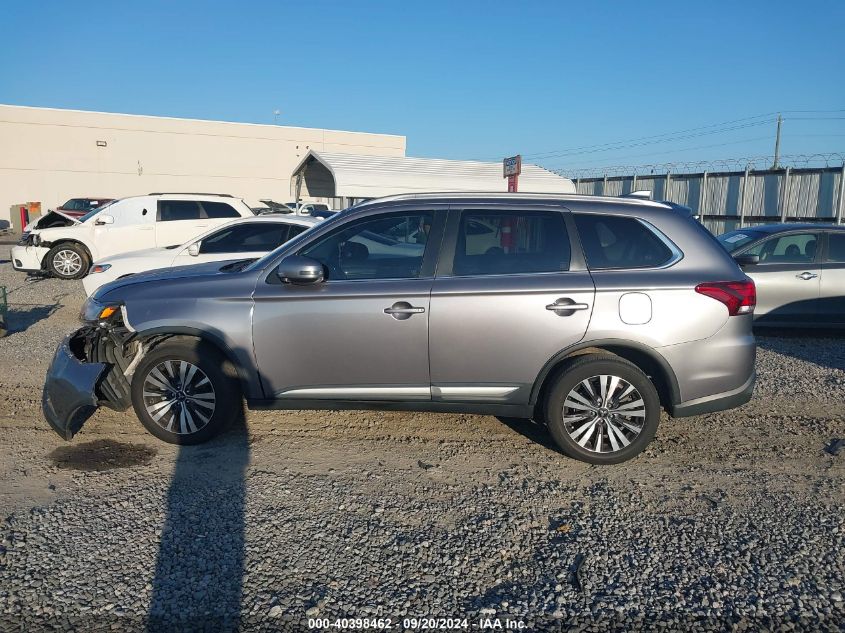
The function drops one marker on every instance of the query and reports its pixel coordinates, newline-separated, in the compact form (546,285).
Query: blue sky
(461,79)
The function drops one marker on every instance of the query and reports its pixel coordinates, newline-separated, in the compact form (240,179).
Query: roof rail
(190,193)
(562,197)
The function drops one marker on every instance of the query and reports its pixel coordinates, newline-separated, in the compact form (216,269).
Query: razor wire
(749,163)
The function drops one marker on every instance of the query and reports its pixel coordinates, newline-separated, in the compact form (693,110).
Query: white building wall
(50,155)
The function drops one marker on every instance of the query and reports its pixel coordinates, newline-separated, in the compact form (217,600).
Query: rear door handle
(807,276)
(402,310)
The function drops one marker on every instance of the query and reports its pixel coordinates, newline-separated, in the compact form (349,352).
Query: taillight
(740,297)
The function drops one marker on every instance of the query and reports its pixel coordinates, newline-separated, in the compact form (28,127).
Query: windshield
(95,211)
(735,240)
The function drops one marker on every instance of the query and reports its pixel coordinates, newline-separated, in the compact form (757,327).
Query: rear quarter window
(613,242)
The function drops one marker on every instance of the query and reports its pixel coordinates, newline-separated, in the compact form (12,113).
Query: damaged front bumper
(88,371)
(70,389)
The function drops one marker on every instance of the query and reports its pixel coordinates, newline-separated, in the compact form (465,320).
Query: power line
(654,136)
(652,142)
(725,126)
(685,149)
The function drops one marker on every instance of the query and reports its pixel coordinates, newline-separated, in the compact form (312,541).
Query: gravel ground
(727,520)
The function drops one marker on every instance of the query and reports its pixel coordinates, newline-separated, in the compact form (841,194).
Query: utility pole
(777,144)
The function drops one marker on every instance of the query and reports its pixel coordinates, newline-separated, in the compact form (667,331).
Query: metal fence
(726,200)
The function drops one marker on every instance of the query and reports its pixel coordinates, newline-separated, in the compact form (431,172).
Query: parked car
(245,238)
(799,271)
(591,314)
(67,248)
(77,207)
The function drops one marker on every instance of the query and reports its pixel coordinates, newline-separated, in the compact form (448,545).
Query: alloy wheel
(604,414)
(179,397)
(67,262)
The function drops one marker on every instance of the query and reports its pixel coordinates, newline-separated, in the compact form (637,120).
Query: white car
(239,239)
(66,247)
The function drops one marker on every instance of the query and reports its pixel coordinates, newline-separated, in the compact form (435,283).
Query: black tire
(68,260)
(167,359)
(614,422)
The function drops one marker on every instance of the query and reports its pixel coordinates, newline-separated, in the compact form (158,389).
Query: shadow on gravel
(804,345)
(534,431)
(19,320)
(101,455)
(199,571)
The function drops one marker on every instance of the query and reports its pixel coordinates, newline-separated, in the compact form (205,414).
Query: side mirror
(747,260)
(194,249)
(295,269)
(104,219)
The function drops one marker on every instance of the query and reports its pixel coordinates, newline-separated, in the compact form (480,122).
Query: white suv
(125,225)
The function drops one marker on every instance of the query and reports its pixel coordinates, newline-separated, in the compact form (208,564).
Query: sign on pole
(512,167)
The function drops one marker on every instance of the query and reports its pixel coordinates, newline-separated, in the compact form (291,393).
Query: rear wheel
(182,392)
(68,261)
(602,410)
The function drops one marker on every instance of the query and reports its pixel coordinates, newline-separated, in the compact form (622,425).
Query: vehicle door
(832,285)
(787,276)
(239,240)
(511,291)
(362,333)
(132,228)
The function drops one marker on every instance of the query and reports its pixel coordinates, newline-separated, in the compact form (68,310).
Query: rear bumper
(718,402)
(69,397)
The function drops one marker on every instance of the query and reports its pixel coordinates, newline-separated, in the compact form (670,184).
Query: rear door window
(614,242)
(794,248)
(215,210)
(174,210)
(836,247)
(246,238)
(507,243)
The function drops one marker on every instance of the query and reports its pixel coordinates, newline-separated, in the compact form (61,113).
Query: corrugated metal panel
(764,192)
(811,193)
(359,176)
(723,194)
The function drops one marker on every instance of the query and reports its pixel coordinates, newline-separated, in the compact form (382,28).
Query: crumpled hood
(164,274)
(52,220)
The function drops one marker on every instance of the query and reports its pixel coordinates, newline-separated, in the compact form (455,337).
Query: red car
(77,207)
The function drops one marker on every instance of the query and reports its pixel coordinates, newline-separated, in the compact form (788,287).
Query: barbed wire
(752,163)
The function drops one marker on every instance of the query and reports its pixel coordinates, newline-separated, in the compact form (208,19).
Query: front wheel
(68,261)
(182,392)
(602,410)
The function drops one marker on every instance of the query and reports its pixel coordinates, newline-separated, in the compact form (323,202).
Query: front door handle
(402,310)
(565,307)
(807,276)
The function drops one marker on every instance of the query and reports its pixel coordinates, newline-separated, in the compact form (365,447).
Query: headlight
(99,268)
(94,311)
(36,239)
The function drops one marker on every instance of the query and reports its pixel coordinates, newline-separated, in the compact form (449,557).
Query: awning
(330,175)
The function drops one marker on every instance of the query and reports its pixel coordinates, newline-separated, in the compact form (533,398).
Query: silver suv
(588,313)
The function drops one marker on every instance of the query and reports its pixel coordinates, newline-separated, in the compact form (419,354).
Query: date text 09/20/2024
(416,624)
